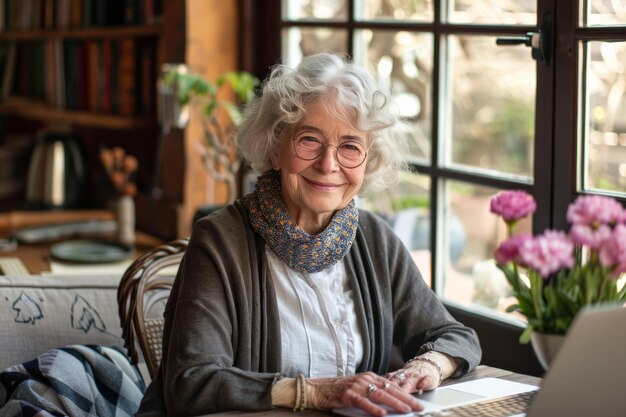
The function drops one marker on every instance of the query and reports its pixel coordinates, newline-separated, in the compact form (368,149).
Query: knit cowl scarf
(298,249)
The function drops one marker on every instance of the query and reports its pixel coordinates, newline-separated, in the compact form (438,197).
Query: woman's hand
(416,377)
(424,373)
(366,391)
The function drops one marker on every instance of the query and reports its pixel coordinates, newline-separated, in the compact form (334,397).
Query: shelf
(89,33)
(32,109)
(179,31)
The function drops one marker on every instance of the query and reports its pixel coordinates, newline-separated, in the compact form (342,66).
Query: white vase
(125,213)
(546,346)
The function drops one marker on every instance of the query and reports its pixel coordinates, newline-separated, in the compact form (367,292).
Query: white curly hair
(356,97)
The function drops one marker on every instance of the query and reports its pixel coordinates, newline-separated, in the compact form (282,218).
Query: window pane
(491,107)
(315,9)
(420,10)
(470,275)
(496,12)
(405,59)
(300,42)
(605,12)
(604,129)
(406,207)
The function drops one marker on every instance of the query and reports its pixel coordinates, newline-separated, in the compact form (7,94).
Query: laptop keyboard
(500,407)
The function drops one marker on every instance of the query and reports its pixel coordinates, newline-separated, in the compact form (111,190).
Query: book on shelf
(8,72)
(37,14)
(115,77)
(132,12)
(25,72)
(107,76)
(38,68)
(70,63)
(87,13)
(59,99)
(147,66)
(74,14)
(50,73)
(48,14)
(83,76)
(127,77)
(94,71)
(62,14)
(4,51)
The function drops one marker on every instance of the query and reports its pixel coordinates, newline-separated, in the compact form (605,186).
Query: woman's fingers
(404,380)
(391,395)
(425,383)
(371,393)
(415,380)
(381,396)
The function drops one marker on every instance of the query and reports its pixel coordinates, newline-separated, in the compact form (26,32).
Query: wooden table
(481,371)
(36,257)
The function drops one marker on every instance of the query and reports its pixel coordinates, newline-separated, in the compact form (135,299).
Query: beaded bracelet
(296,401)
(300,403)
(430,361)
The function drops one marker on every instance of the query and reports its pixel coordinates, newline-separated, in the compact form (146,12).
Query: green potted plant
(219,115)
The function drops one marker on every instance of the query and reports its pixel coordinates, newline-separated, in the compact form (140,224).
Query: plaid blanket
(77,380)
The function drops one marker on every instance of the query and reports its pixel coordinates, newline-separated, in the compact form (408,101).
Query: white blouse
(319,331)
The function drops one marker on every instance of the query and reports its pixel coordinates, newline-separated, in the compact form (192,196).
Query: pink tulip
(513,205)
(548,252)
(584,235)
(509,250)
(613,251)
(595,210)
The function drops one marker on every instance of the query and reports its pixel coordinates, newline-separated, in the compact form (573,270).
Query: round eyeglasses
(349,154)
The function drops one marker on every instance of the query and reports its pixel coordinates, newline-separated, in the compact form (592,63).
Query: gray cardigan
(222,348)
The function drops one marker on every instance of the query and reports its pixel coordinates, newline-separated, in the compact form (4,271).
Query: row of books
(110,76)
(16,15)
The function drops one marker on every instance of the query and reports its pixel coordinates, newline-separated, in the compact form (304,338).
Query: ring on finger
(401,376)
(386,385)
(371,388)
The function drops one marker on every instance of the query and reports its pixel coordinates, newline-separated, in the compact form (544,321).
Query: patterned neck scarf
(298,249)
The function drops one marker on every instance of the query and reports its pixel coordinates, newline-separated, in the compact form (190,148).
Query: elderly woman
(292,296)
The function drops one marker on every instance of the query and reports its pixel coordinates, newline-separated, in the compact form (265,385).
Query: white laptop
(587,378)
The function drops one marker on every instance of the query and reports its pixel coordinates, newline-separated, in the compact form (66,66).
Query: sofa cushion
(39,313)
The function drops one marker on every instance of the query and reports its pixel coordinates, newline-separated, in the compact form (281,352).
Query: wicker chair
(141,298)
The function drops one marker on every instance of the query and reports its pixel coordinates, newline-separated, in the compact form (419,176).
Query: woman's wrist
(431,362)
(284,393)
(445,365)
(291,393)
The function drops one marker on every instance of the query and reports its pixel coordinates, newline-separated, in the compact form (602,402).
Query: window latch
(540,41)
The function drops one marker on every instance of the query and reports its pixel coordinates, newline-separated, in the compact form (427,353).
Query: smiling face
(314,190)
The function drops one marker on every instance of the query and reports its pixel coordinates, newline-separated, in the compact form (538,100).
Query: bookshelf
(83,62)
(90,65)
(68,68)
